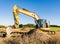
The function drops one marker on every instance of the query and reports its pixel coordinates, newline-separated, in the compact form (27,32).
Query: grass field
(51,28)
(55,28)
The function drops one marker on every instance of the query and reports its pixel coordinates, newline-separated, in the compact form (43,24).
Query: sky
(45,9)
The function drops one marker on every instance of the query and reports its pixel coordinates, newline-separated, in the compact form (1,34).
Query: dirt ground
(32,37)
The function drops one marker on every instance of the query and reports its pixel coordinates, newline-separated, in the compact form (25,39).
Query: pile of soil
(32,37)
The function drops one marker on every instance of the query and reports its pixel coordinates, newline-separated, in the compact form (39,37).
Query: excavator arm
(17,10)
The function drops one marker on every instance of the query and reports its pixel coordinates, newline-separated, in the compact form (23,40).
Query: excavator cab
(42,24)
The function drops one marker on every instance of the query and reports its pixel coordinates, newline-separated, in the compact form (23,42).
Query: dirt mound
(32,37)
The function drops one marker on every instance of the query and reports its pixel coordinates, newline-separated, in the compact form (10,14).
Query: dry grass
(32,37)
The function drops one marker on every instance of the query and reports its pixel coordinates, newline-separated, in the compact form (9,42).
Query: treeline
(54,26)
(29,25)
(1,26)
(32,25)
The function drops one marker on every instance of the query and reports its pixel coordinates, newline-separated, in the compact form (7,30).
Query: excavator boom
(17,10)
(40,23)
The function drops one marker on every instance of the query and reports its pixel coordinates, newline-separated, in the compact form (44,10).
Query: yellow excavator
(40,23)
